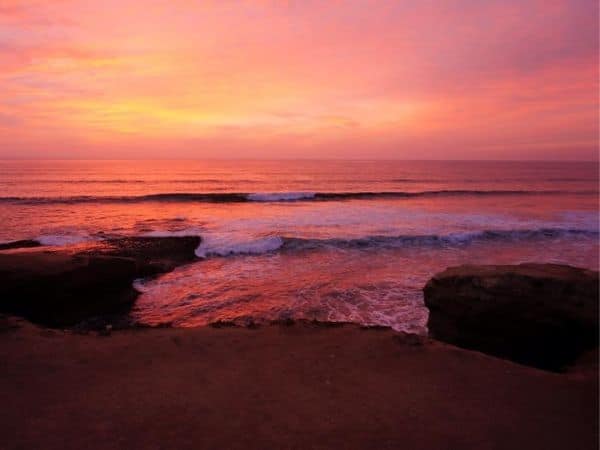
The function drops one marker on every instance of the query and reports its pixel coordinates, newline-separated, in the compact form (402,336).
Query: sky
(356,79)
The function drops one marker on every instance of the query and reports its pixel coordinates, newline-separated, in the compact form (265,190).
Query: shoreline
(289,385)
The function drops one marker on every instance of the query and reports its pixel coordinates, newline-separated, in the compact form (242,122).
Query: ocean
(325,240)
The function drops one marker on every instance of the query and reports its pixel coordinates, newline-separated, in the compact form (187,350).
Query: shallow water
(316,239)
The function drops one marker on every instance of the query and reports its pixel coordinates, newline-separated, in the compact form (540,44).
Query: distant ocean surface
(325,240)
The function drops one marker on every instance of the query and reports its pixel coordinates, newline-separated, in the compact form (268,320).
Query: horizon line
(597,161)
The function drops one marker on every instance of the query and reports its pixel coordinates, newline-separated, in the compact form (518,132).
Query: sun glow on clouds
(389,79)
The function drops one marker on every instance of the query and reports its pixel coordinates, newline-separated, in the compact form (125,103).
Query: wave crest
(226,245)
(280,196)
(236,197)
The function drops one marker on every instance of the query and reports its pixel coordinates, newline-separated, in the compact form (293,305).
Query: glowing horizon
(284,79)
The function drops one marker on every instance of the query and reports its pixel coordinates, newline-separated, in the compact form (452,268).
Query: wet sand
(300,386)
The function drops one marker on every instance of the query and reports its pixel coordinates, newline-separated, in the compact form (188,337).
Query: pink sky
(461,79)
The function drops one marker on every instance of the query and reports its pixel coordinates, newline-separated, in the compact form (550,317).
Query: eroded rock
(543,315)
(60,288)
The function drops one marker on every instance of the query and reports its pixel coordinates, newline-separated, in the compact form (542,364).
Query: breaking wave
(452,239)
(224,245)
(236,197)
(280,196)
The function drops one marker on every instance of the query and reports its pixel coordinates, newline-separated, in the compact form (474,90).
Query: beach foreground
(298,385)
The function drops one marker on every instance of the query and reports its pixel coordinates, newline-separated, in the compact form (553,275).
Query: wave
(177,233)
(63,239)
(236,197)
(225,245)
(452,239)
(280,196)
(167,197)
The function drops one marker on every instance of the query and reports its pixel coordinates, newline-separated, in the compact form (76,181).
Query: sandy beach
(281,386)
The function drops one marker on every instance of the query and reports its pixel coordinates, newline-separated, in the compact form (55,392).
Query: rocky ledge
(543,315)
(61,288)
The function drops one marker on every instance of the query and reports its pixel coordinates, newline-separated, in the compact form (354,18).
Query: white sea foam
(139,284)
(231,244)
(176,233)
(62,239)
(279,196)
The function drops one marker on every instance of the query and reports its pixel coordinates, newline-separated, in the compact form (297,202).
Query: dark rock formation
(61,288)
(543,315)
(25,243)
(152,254)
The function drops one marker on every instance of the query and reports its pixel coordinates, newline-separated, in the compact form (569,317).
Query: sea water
(324,240)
